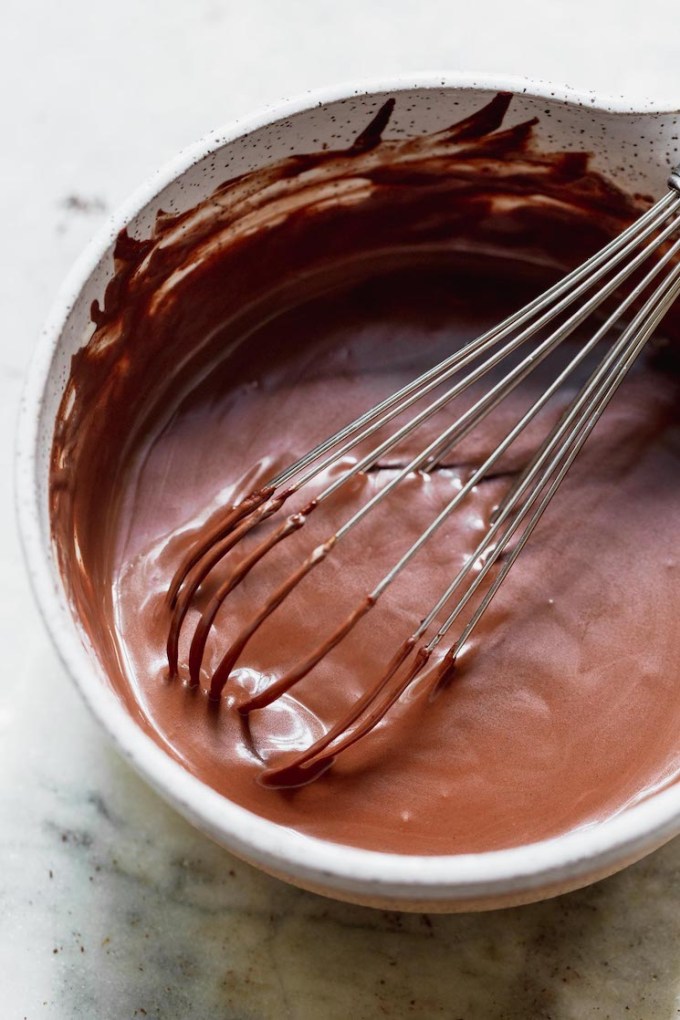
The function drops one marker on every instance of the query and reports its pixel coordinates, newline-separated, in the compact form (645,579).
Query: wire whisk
(645,255)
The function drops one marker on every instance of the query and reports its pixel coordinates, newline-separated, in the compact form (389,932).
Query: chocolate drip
(371,136)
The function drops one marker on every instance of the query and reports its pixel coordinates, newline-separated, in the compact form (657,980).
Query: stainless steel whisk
(645,249)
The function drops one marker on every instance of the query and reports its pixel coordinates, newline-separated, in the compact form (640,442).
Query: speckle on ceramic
(634,147)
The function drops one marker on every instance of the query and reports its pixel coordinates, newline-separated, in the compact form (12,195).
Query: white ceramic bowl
(635,145)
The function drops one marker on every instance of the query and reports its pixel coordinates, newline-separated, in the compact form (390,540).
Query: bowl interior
(633,148)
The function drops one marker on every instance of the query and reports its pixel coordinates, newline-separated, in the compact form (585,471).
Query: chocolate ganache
(245,330)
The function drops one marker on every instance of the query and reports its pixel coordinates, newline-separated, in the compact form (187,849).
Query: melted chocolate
(247,329)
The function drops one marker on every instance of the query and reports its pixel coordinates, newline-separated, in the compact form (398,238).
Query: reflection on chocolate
(248,328)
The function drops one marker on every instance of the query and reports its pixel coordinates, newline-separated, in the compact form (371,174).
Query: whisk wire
(563,460)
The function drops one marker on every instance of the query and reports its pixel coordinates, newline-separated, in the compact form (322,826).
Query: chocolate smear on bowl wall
(246,329)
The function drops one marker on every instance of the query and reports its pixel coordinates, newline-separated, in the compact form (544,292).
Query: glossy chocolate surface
(245,330)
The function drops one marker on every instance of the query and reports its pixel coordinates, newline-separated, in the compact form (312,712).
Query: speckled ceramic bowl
(628,142)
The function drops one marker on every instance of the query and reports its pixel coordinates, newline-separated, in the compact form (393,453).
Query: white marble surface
(110,906)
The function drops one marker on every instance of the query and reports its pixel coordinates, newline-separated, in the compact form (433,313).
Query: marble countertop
(110,905)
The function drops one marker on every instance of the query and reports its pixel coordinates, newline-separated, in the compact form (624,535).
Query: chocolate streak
(244,331)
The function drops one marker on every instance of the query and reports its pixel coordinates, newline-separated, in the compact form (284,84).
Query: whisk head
(624,290)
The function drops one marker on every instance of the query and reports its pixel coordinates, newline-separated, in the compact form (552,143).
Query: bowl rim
(595,848)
